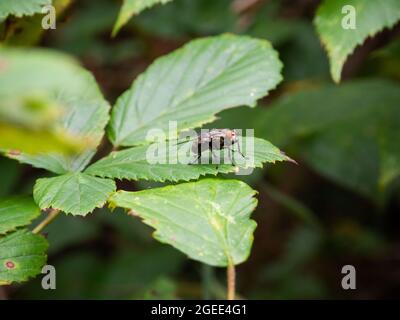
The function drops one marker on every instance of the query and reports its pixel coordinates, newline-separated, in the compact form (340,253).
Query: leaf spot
(9,264)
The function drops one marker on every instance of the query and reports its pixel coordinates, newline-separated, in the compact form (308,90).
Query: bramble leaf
(22,256)
(133,163)
(75,193)
(130,8)
(370,18)
(194,83)
(57,78)
(21,7)
(16,212)
(29,114)
(208,220)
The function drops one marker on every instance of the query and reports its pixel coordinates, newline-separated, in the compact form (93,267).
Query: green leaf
(208,220)
(194,83)
(371,17)
(29,111)
(22,255)
(21,8)
(133,164)
(29,118)
(348,133)
(130,8)
(16,212)
(75,193)
(58,78)
(28,31)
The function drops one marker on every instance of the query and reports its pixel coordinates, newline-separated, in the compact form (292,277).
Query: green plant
(209,219)
(61,123)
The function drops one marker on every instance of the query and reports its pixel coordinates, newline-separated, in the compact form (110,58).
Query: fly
(216,139)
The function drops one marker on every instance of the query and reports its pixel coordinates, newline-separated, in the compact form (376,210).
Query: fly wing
(192,139)
(217,133)
(220,138)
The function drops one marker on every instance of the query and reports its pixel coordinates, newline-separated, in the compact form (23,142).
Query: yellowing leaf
(56,78)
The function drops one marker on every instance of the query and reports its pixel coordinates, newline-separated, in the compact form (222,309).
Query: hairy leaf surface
(133,163)
(22,256)
(16,212)
(75,193)
(208,220)
(370,18)
(194,83)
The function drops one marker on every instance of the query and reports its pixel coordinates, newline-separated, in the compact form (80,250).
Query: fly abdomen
(197,148)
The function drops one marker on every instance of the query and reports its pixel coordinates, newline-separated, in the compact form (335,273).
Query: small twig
(50,217)
(231,281)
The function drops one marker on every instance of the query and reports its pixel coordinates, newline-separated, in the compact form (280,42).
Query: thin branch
(50,217)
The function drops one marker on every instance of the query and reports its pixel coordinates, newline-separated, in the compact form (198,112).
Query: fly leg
(238,149)
(230,156)
(196,149)
(195,160)
(231,153)
(214,156)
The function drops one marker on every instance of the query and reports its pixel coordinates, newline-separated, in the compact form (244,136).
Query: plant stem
(231,281)
(50,217)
